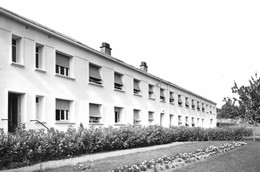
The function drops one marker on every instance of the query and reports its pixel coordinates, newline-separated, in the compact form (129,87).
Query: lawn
(114,162)
(244,159)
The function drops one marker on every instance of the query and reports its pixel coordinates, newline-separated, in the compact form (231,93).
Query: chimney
(105,48)
(143,66)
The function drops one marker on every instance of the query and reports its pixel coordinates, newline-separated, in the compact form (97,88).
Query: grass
(244,159)
(114,162)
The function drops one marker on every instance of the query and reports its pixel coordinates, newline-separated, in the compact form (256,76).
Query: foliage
(230,110)
(27,147)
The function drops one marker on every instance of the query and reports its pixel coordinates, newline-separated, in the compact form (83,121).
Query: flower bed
(166,163)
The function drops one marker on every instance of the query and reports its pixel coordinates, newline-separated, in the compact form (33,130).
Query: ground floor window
(94,113)
(62,110)
(137,119)
(118,114)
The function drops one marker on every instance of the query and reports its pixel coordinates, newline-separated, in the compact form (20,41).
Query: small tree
(249,100)
(229,110)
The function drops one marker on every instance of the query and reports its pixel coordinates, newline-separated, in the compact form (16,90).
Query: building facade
(51,79)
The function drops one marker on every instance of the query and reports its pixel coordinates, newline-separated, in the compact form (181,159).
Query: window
(187,102)
(192,122)
(137,119)
(211,121)
(94,74)
(186,121)
(202,122)
(39,56)
(171,99)
(203,108)
(179,120)
(171,119)
(161,119)
(137,89)
(94,113)
(118,114)
(179,100)
(192,104)
(118,83)
(198,105)
(16,49)
(150,91)
(210,109)
(62,110)
(162,96)
(39,108)
(150,117)
(62,64)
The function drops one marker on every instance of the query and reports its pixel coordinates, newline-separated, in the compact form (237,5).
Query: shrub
(27,147)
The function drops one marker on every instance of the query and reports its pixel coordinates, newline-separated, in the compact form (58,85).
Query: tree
(249,100)
(229,110)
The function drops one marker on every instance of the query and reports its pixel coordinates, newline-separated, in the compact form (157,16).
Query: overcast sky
(200,45)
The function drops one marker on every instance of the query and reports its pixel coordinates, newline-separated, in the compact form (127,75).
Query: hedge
(27,147)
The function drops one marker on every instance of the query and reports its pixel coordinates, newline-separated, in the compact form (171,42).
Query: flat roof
(77,43)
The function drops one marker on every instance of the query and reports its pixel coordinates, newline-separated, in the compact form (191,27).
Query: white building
(49,77)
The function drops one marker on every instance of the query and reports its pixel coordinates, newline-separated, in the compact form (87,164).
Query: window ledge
(119,90)
(40,70)
(96,124)
(119,124)
(62,76)
(64,122)
(152,98)
(92,83)
(162,101)
(171,103)
(139,95)
(17,64)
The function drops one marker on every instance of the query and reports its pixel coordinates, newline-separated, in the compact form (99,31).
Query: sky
(200,45)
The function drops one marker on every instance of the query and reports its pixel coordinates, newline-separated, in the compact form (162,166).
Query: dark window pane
(62,114)
(57,68)
(57,115)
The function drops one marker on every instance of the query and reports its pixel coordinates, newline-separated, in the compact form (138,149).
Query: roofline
(77,43)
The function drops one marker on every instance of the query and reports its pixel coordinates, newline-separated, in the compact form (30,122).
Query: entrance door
(14,111)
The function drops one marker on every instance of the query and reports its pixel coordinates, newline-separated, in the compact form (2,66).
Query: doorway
(14,111)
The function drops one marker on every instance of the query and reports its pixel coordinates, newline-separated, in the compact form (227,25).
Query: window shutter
(118,79)
(94,72)
(62,60)
(161,93)
(136,85)
(62,104)
(94,110)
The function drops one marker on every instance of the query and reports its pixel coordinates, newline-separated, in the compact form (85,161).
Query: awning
(118,79)
(151,88)
(179,99)
(62,60)
(136,85)
(171,96)
(161,93)
(94,72)
(94,110)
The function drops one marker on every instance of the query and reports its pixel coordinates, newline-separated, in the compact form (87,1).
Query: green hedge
(27,147)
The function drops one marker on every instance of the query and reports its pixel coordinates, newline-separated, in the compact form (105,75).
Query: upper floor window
(203,107)
(16,49)
(62,110)
(198,105)
(39,56)
(137,89)
(94,113)
(171,99)
(62,64)
(94,74)
(162,96)
(118,114)
(179,100)
(118,83)
(150,91)
(192,104)
(187,104)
